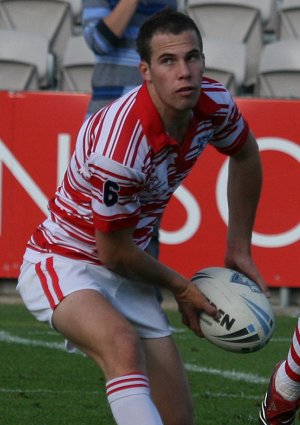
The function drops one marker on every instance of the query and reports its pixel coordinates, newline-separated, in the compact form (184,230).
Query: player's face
(175,73)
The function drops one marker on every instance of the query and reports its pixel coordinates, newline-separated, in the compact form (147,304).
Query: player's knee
(127,347)
(125,354)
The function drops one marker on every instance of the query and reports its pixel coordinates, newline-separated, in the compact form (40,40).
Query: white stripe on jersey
(133,145)
(117,115)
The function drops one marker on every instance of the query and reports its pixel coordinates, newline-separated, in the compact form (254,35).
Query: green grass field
(41,384)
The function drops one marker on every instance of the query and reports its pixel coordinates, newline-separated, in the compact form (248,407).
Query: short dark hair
(167,21)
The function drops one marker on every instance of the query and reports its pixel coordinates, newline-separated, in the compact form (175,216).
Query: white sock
(130,401)
(287,379)
(285,386)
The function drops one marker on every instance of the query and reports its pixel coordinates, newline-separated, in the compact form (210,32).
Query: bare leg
(168,382)
(88,320)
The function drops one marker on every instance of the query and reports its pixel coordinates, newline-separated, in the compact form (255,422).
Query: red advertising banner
(38,132)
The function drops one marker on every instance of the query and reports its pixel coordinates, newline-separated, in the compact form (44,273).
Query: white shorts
(45,284)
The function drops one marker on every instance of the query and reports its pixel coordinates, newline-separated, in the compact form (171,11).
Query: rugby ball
(246,320)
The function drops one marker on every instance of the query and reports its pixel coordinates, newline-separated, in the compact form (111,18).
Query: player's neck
(176,121)
(177,127)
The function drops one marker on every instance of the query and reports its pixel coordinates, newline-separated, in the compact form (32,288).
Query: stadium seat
(279,70)
(76,9)
(24,61)
(18,76)
(232,20)
(289,19)
(269,13)
(77,67)
(225,61)
(50,18)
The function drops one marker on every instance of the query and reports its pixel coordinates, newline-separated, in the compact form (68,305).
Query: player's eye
(167,60)
(194,56)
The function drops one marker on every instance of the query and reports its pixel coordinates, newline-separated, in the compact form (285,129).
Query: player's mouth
(186,91)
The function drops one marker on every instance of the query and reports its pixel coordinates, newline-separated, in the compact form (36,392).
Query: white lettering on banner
(19,172)
(267,241)
(21,175)
(63,155)
(192,223)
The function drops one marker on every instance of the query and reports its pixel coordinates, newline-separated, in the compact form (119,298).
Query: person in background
(86,269)
(110,28)
(282,399)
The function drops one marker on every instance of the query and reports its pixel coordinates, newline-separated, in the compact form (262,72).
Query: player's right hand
(191,303)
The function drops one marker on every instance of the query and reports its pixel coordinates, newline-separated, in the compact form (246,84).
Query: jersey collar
(152,123)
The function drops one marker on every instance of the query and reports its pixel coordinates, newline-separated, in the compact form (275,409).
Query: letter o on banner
(267,241)
(192,223)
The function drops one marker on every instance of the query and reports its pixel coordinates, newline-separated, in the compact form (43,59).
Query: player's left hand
(244,264)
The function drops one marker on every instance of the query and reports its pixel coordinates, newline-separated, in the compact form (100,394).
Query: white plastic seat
(24,61)
(225,61)
(232,20)
(76,8)
(49,18)
(269,13)
(279,70)
(289,20)
(77,66)
(17,76)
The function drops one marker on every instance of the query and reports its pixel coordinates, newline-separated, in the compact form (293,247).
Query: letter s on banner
(267,241)
(192,223)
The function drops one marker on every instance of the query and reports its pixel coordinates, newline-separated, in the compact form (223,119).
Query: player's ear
(145,72)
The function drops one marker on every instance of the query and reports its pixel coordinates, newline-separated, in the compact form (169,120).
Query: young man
(86,270)
(282,399)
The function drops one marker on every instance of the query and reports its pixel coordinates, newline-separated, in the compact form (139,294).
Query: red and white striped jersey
(126,167)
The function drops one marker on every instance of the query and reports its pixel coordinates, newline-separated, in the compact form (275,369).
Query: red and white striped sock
(287,380)
(130,401)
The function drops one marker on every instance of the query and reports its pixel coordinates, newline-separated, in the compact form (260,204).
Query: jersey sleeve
(115,191)
(231,130)
(98,36)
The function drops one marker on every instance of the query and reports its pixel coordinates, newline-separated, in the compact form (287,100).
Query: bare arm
(104,27)
(244,188)
(119,253)
(119,18)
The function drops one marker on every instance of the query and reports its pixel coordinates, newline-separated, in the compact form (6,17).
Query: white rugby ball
(246,319)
